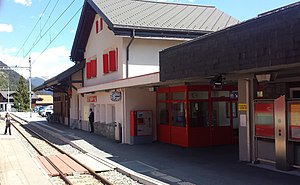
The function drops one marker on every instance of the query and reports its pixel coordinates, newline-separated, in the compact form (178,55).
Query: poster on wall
(92,99)
(295,120)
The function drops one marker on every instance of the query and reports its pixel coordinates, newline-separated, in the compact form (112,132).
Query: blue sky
(50,57)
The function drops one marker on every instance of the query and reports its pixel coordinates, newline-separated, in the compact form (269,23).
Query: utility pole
(7,93)
(9,68)
(30,100)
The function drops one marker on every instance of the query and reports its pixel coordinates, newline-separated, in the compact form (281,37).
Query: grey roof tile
(161,15)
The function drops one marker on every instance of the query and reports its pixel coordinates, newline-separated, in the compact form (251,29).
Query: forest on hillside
(8,77)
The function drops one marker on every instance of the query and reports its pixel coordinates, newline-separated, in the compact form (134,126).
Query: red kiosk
(194,116)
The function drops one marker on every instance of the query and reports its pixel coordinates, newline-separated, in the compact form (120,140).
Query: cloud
(6,28)
(52,62)
(24,2)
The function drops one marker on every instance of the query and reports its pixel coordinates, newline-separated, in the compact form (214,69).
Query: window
(163,113)
(198,114)
(110,61)
(178,114)
(99,25)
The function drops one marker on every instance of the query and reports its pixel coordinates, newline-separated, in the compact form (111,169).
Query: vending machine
(141,128)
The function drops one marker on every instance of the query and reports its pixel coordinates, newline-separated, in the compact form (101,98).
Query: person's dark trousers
(9,131)
(92,127)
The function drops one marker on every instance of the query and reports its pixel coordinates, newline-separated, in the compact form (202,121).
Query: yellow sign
(242,107)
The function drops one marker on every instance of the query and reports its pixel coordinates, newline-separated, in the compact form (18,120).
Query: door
(221,122)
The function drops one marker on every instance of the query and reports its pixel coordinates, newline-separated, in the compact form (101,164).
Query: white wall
(104,104)
(138,99)
(97,45)
(144,55)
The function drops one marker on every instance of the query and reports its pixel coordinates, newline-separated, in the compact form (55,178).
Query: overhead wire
(57,35)
(42,28)
(51,27)
(33,29)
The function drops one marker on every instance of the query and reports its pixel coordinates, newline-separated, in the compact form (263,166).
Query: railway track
(62,162)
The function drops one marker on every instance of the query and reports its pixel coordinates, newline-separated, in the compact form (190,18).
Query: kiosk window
(198,114)
(178,114)
(163,113)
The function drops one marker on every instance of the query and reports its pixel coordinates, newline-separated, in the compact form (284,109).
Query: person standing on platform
(8,123)
(91,120)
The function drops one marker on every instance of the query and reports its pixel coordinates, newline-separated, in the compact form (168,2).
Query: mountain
(37,81)
(8,77)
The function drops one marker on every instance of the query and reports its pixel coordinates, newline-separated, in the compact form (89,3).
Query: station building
(244,77)
(142,72)
(119,41)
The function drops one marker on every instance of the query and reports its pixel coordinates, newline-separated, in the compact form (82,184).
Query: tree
(21,97)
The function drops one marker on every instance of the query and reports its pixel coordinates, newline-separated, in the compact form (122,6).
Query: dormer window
(99,25)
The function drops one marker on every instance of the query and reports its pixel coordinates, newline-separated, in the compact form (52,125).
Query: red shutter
(97,26)
(94,68)
(112,60)
(88,70)
(101,23)
(105,63)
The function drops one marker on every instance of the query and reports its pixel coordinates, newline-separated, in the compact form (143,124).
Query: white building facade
(120,45)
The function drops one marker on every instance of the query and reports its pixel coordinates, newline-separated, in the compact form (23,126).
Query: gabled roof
(12,93)
(148,19)
(162,16)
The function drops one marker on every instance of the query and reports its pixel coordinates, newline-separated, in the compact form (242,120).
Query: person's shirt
(91,117)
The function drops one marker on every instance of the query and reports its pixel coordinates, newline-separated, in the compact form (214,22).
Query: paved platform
(175,165)
(17,167)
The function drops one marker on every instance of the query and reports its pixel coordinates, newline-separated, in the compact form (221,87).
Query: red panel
(88,70)
(264,130)
(179,136)
(101,23)
(222,135)
(105,63)
(264,107)
(163,90)
(199,137)
(97,26)
(132,123)
(164,133)
(93,68)
(178,88)
(112,60)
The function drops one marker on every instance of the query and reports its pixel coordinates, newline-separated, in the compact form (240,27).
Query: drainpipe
(127,52)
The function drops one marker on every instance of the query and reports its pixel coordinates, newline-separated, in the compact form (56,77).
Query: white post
(7,107)
(30,88)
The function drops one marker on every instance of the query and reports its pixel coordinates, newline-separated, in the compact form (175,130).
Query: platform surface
(17,167)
